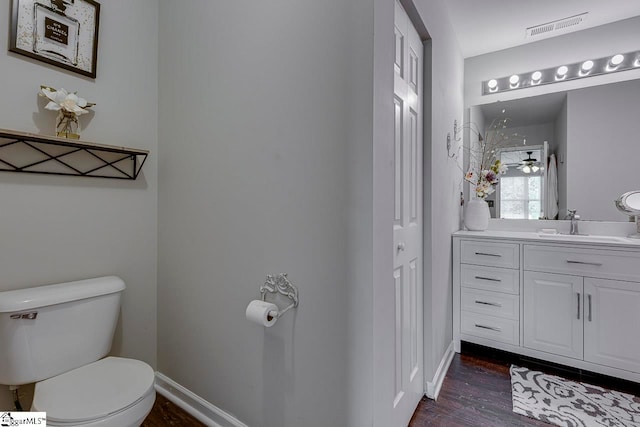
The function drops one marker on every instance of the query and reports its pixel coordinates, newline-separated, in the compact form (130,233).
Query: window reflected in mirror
(520,194)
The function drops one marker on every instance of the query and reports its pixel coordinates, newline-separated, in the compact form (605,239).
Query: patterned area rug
(555,400)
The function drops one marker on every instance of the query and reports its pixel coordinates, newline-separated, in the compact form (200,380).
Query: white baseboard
(434,386)
(194,405)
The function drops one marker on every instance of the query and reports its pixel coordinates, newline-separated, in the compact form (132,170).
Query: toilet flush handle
(32,315)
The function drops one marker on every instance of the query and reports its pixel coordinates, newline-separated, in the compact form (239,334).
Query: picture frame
(63,33)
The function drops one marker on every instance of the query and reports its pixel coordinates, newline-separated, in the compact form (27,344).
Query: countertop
(540,237)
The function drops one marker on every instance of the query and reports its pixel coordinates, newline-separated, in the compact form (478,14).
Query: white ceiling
(534,110)
(484,26)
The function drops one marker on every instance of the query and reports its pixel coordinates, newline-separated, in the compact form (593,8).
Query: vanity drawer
(490,303)
(506,255)
(621,265)
(490,278)
(490,327)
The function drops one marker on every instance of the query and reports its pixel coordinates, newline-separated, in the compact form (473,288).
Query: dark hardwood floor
(166,413)
(477,390)
(476,393)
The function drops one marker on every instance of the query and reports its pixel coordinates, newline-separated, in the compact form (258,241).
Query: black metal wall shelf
(30,153)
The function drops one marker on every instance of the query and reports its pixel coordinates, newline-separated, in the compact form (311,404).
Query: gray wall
(265,167)
(535,134)
(561,159)
(55,229)
(443,182)
(601,159)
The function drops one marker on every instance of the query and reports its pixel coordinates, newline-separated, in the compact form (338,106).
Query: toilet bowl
(112,392)
(57,336)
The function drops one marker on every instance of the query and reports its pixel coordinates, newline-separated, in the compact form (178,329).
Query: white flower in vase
(69,107)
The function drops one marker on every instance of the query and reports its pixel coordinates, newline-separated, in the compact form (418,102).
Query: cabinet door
(612,323)
(553,312)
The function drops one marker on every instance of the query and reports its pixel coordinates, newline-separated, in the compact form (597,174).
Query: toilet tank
(49,330)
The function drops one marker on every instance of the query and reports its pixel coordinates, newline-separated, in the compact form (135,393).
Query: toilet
(57,336)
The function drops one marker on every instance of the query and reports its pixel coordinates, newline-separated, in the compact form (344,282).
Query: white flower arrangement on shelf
(69,107)
(63,100)
(485,167)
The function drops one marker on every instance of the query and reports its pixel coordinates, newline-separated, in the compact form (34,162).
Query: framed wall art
(63,33)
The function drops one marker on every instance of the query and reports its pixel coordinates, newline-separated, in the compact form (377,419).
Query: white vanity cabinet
(573,304)
(490,287)
(553,313)
(612,323)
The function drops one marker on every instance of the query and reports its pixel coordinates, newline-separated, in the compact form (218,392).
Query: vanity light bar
(577,70)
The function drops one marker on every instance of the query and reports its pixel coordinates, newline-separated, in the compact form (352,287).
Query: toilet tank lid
(42,296)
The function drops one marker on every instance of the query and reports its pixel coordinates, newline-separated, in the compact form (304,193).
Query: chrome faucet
(574,221)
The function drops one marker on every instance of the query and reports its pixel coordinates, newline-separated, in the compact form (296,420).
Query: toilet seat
(93,392)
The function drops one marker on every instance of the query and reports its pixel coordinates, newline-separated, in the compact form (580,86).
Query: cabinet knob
(401,246)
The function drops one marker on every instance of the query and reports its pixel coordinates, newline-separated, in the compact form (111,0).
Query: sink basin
(584,238)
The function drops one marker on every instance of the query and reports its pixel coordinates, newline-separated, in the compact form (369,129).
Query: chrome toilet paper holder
(280,284)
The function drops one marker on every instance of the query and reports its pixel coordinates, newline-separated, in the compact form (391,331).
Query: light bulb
(534,169)
(535,77)
(586,66)
(513,80)
(526,169)
(562,71)
(616,60)
(492,84)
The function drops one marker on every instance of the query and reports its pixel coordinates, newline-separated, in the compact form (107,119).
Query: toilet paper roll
(258,312)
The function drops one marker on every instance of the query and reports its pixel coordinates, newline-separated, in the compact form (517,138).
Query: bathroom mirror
(591,134)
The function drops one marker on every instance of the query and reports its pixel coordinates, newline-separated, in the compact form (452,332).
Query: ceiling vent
(558,27)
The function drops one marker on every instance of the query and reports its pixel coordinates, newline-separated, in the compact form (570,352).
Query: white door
(407,225)
(553,313)
(611,324)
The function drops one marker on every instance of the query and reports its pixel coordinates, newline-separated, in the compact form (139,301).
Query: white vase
(476,215)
